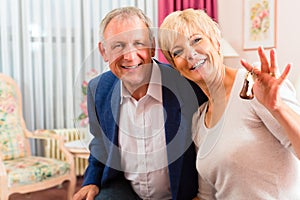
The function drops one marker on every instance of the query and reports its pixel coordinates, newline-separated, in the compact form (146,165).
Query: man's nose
(130,53)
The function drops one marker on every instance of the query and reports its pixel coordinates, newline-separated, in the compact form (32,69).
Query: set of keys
(247,90)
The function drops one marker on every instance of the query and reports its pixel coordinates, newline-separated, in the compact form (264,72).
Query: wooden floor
(56,193)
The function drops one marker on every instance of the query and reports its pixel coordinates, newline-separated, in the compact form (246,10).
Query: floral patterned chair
(20,172)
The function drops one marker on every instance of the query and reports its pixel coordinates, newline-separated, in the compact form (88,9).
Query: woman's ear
(219,47)
(217,43)
(102,51)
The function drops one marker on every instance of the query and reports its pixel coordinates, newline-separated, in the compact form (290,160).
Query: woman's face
(196,57)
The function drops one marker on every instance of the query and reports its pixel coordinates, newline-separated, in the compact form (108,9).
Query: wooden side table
(78,149)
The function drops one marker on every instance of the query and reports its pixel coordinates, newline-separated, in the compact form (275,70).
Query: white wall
(287,29)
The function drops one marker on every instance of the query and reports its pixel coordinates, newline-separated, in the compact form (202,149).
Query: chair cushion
(33,169)
(11,134)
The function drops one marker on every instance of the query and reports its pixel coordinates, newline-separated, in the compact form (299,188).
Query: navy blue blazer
(181,99)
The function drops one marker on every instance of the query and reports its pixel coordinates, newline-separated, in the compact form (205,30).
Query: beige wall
(288,34)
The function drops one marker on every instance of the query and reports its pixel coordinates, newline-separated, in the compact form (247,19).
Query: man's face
(128,50)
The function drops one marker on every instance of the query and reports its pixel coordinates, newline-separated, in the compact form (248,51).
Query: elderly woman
(247,148)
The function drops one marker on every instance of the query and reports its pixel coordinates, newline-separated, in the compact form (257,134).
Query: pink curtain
(167,6)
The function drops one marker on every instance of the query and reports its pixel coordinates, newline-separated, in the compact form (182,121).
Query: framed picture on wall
(259,24)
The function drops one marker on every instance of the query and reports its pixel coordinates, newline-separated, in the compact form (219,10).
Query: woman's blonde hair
(182,23)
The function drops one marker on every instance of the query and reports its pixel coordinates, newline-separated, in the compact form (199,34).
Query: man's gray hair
(125,12)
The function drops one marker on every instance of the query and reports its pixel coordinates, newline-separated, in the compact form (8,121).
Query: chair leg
(4,196)
(71,187)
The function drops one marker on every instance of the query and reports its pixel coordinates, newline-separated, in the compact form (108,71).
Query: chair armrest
(3,176)
(2,169)
(44,134)
(51,134)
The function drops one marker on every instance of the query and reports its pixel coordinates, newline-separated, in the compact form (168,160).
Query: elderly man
(140,115)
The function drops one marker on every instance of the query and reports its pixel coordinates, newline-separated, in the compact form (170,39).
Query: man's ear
(102,51)
(153,48)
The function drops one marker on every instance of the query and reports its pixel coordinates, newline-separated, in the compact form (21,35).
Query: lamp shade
(227,50)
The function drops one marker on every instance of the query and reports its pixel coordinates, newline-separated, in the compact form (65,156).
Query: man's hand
(87,192)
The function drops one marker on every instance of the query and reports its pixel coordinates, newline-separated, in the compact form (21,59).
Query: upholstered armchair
(20,171)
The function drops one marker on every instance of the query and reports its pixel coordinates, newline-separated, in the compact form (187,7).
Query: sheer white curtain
(44,45)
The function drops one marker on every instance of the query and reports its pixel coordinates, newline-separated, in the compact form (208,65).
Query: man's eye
(117,46)
(139,44)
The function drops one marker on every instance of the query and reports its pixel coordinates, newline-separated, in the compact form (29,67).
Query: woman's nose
(191,54)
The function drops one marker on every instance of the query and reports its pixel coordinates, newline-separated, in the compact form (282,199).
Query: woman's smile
(200,63)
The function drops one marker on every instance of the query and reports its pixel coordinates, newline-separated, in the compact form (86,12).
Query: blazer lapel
(112,119)
(108,111)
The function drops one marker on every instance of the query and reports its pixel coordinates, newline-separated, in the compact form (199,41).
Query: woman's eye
(176,53)
(196,40)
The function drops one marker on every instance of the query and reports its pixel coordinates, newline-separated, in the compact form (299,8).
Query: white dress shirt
(142,141)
